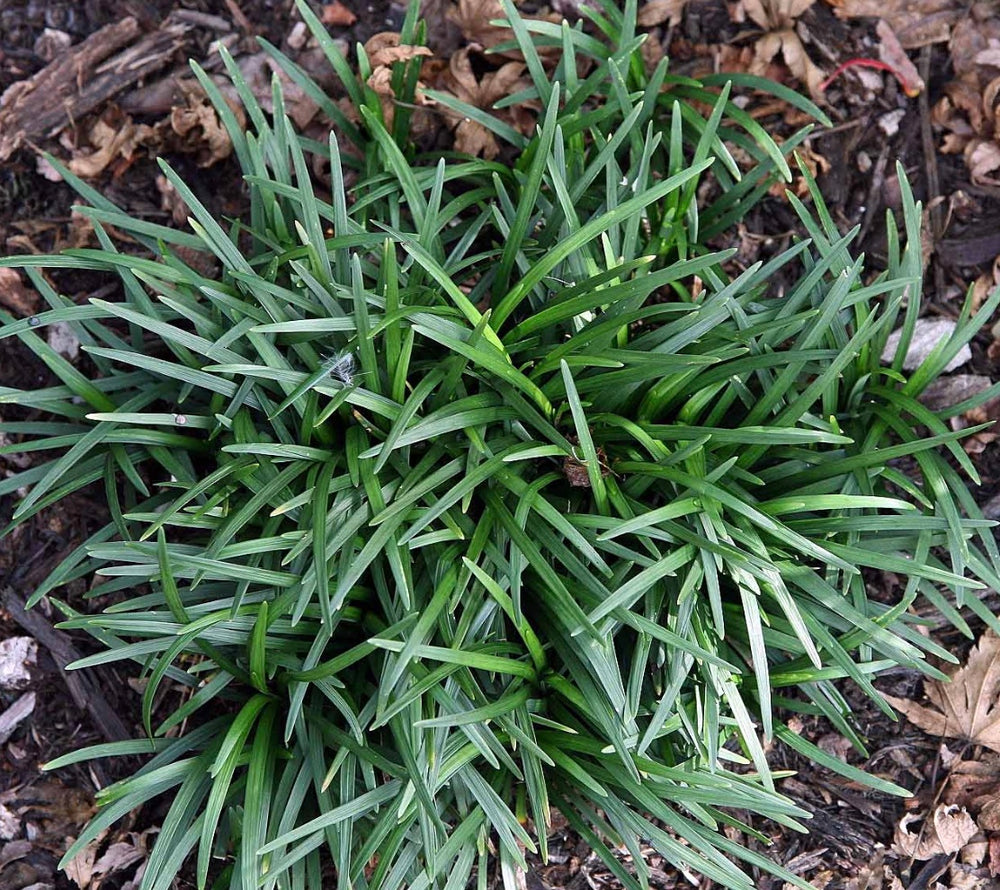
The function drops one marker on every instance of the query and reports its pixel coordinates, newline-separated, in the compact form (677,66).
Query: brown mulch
(136,103)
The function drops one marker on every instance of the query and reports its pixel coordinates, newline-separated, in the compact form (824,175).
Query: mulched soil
(849,839)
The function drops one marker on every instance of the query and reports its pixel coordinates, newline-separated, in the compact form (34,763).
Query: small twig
(204,20)
(851,124)
(83,689)
(931,167)
(239,17)
(872,202)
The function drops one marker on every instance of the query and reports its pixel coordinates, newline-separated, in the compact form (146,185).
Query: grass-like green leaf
(470,488)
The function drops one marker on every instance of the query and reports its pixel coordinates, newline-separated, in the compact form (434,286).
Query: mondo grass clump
(450,500)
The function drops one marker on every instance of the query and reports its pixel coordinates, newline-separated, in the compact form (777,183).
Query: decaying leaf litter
(918,80)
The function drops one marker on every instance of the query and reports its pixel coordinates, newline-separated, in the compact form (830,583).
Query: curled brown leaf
(775,15)
(383,51)
(484,92)
(968,707)
(385,48)
(111,136)
(948,829)
(198,125)
(789,45)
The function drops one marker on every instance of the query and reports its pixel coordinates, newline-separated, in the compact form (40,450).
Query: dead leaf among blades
(916,22)
(968,707)
(773,15)
(948,830)
(777,18)
(476,18)
(483,92)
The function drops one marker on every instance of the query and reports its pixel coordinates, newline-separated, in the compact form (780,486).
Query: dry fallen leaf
(795,56)
(384,48)
(171,200)
(891,52)
(383,51)
(90,872)
(960,111)
(982,157)
(974,853)
(192,127)
(994,842)
(118,857)
(202,132)
(54,809)
(460,80)
(474,18)
(814,162)
(965,877)
(870,875)
(972,783)
(774,15)
(80,869)
(777,18)
(381,82)
(987,413)
(112,136)
(947,831)
(14,295)
(13,851)
(989,815)
(968,112)
(916,22)
(337,15)
(973,38)
(259,71)
(656,12)
(968,707)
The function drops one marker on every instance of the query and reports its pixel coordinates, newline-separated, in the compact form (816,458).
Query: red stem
(908,88)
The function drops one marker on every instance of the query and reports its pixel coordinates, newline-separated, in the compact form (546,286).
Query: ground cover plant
(484,488)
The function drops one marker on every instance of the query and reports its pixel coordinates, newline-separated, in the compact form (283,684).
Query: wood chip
(17,656)
(927,333)
(74,84)
(16,714)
